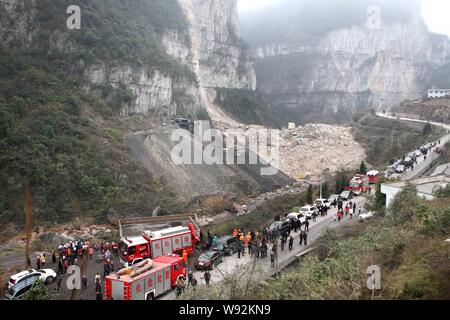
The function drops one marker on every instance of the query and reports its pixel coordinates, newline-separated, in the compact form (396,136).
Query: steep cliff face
(331,74)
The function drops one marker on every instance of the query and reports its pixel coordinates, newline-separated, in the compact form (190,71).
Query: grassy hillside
(429,109)
(66,143)
(385,139)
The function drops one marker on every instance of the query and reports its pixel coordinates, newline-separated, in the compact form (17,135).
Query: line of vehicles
(399,166)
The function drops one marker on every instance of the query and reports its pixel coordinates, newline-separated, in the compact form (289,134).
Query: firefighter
(185,257)
(249,238)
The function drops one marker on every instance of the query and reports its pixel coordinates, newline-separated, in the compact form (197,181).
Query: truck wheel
(229,252)
(151,296)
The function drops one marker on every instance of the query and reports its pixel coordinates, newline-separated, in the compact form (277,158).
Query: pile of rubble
(303,148)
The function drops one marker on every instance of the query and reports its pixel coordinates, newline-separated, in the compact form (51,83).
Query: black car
(208,260)
(280,227)
(227,244)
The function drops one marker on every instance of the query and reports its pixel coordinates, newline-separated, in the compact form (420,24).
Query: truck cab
(133,250)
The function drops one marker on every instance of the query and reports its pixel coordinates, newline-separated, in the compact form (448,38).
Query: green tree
(341,183)
(427,130)
(380,199)
(325,191)
(363,168)
(38,292)
(309,195)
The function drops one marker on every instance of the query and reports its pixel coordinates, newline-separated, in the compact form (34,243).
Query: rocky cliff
(330,74)
(85,112)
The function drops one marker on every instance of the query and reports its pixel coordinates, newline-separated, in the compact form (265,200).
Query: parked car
(400,169)
(365,216)
(280,226)
(46,275)
(412,156)
(322,202)
(227,244)
(308,211)
(333,199)
(208,260)
(346,195)
(297,216)
(16,292)
(418,153)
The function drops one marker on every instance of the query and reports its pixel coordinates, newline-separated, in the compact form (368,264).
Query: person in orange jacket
(185,257)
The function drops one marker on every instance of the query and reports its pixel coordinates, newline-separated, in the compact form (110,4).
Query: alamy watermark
(233,146)
(374,20)
(73,22)
(374,281)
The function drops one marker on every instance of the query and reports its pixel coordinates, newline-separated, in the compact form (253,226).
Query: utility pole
(28,215)
(321,177)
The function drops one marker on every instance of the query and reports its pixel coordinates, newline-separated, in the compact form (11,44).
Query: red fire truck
(373,176)
(153,244)
(146,280)
(359,183)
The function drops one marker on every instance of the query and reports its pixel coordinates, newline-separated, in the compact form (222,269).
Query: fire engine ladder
(191,218)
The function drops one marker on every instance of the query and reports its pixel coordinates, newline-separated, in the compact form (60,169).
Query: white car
(308,211)
(323,202)
(400,169)
(297,216)
(46,275)
(365,216)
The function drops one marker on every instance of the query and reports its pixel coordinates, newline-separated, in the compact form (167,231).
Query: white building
(425,187)
(438,93)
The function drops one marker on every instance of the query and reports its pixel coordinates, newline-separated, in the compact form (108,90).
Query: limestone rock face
(345,70)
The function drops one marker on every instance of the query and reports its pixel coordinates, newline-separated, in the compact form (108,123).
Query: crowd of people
(72,253)
(348,211)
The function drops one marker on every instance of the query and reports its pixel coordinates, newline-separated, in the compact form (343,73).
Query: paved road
(422,164)
(264,270)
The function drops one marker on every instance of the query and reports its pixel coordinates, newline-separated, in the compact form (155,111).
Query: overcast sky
(435,12)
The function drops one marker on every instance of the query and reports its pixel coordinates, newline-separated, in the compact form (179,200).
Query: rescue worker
(249,240)
(185,257)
